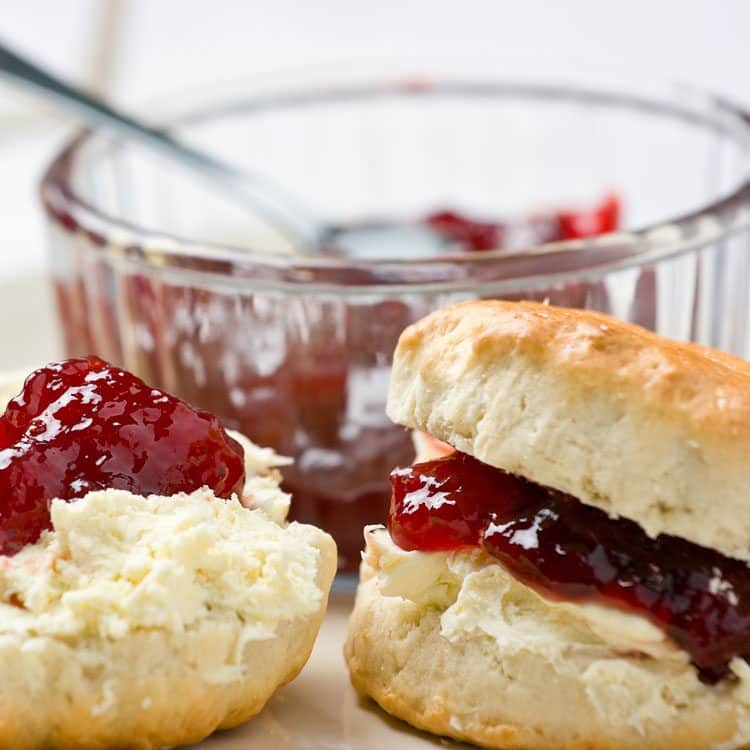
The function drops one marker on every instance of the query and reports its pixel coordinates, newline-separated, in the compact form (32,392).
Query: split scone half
(144,622)
(575,574)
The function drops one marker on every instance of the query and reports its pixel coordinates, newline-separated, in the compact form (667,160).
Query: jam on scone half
(83,425)
(151,590)
(574,535)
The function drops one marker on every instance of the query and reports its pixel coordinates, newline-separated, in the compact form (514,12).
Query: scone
(574,574)
(151,590)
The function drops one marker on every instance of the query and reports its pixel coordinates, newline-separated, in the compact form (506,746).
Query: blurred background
(135,51)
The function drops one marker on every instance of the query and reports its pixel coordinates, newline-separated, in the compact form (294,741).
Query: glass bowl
(155,272)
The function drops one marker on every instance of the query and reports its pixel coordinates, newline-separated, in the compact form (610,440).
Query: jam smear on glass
(84,425)
(568,550)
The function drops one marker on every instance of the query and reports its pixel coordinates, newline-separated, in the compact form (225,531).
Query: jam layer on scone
(84,425)
(568,550)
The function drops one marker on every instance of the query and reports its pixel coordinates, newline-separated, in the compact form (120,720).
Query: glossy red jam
(601,219)
(472,234)
(572,551)
(85,425)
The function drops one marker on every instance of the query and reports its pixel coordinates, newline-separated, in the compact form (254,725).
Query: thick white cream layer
(480,596)
(116,562)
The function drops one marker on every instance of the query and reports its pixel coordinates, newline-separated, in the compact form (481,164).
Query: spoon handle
(274,203)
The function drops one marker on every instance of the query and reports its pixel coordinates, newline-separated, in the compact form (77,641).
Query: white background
(136,50)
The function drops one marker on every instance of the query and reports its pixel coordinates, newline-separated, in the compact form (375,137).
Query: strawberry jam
(472,234)
(567,550)
(85,425)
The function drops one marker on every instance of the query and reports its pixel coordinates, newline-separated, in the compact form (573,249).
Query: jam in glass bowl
(629,199)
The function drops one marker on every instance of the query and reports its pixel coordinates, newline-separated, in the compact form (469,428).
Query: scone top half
(622,419)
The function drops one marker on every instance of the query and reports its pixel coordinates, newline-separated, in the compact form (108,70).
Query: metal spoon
(293,220)
(282,210)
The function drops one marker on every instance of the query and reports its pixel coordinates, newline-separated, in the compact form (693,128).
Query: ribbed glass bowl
(155,272)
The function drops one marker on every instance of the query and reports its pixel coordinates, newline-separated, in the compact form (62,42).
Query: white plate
(321,711)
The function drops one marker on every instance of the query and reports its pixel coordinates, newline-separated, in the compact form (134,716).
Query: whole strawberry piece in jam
(84,425)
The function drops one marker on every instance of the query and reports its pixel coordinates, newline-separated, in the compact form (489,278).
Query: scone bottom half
(151,590)
(495,568)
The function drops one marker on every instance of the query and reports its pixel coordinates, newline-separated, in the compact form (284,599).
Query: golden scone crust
(473,690)
(644,427)
(147,689)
